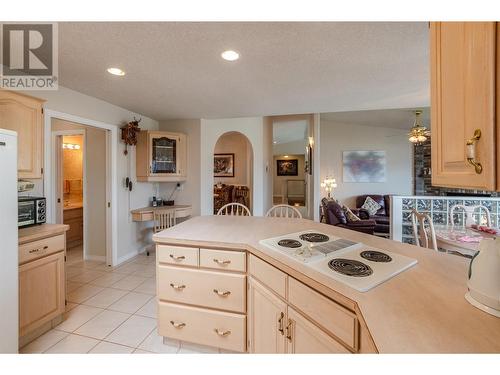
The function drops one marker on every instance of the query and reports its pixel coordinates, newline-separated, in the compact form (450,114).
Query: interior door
(303,337)
(58,142)
(266,320)
(463,101)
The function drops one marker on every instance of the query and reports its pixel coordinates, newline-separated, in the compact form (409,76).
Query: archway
(232,170)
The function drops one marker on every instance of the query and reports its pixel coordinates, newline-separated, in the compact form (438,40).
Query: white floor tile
(109,348)
(76,317)
(128,268)
(149,309)
(103,324)
(71,286)
(130,303)
(44,342)
(70,306)
(154,343)
(148,286)
(147,271)
(73,271)
(105,297)
(129,283)
(108,279)
(133,331)
(140,351)
(73,344)
(83,293)
(87,276)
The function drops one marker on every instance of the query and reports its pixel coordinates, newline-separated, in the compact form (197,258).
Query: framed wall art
(223,165)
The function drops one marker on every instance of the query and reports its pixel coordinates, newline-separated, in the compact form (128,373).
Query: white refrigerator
(9,299)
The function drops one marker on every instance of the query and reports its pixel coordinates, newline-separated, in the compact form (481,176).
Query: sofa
(381,217)
(335,215)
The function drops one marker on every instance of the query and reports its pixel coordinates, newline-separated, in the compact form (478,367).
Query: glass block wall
(438,209)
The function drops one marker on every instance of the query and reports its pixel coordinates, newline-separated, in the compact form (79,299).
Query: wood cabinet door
(266,320)
(24,115)
(463,100)
(41,291)
(303,337)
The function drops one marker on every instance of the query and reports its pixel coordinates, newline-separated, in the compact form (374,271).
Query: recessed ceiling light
(274,142)
(230,55)
(116,71)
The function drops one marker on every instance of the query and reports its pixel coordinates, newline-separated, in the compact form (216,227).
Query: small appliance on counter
(484,277)
(30,211)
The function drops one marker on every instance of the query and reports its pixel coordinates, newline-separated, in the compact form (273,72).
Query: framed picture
(223,165)
(287,167)
(363,166)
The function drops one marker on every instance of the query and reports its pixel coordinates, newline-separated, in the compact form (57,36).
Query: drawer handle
(222,262)
(280,324)
(177,287)
(222,333)
(178,325)
(177,258)
(37,250)
(222,294)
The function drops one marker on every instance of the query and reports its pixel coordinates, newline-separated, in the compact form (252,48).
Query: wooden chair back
(234,209)
(285,211)
(469,214)
(163,219)
(423,230)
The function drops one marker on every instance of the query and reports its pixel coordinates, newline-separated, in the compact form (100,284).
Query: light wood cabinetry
(74,218)
(24,115)
(41,291)
(464,67)
(161,156)
(266,320)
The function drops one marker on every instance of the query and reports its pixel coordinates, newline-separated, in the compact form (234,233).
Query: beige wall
(237,144)
(95,185)
(132,237)
(337,137)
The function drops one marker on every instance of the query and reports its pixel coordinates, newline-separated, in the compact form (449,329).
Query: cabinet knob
(178,325)
(471,151)
(222,333)
(177,287)
(222,294)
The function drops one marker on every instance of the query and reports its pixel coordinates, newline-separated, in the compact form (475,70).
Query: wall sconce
(329,184)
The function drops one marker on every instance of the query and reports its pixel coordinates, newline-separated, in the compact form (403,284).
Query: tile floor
(109,310)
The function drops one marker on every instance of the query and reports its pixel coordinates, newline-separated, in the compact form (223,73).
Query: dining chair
(421,232)
(469,214)
(162,219)
(234,209)
(284,211)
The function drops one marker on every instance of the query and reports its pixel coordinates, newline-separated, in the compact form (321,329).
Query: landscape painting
(224,165)
(364,166)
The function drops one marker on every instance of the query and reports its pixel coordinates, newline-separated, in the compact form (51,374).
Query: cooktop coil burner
(293,244)
(375,256)
(350,267)
(314,237)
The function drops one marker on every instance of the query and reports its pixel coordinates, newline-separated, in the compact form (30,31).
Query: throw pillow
(351,216)
(371,206)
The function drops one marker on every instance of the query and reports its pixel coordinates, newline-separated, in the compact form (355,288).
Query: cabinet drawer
(36,249)
(334,318)
(218,290)
(207,327)
(223,260)
(269,275)
(182,256)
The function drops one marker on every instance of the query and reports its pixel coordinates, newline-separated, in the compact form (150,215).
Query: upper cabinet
(464,66)
(24,115)
(161,156)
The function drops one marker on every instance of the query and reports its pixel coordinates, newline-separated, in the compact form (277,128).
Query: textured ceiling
(174,70)
(403,118)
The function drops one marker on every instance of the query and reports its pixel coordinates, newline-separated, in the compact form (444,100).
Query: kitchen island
(421,310)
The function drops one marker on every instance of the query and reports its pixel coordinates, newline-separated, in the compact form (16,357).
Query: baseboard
(126,257)
(97,258)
